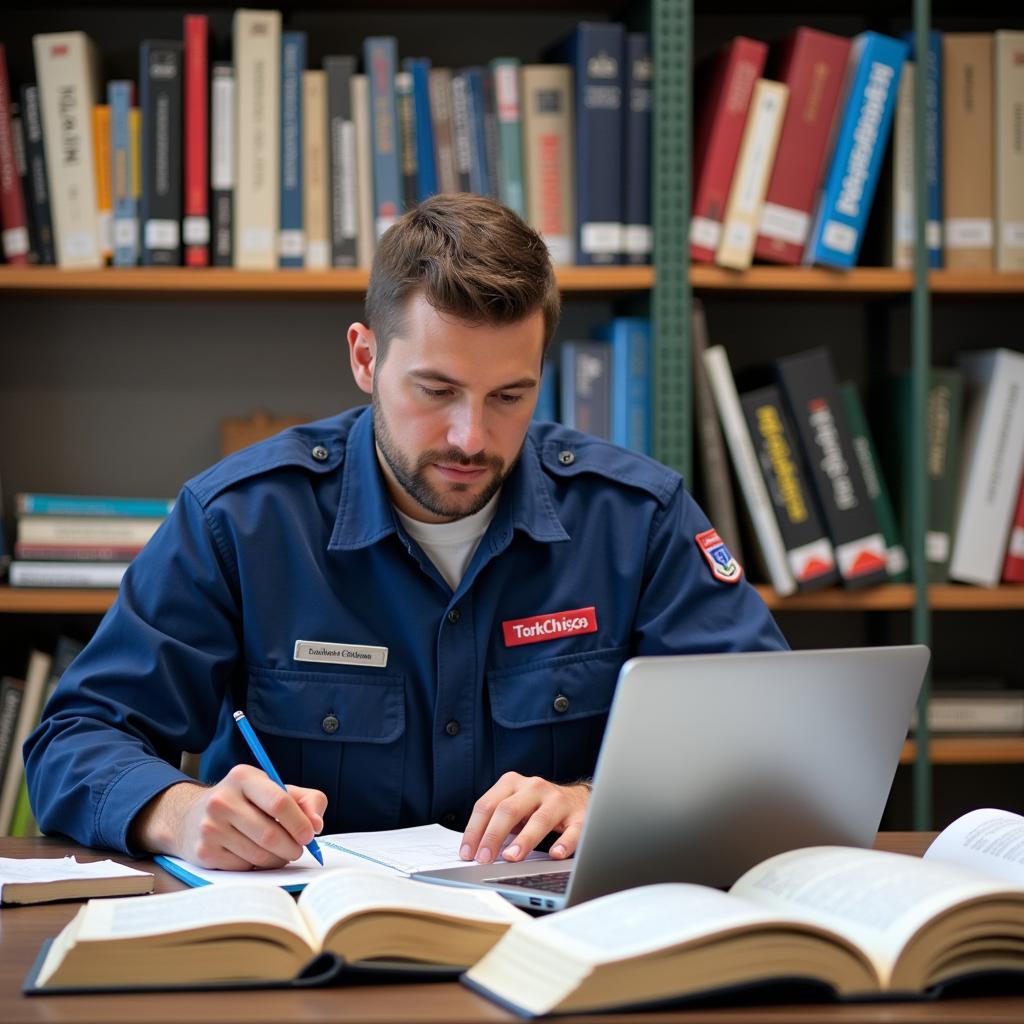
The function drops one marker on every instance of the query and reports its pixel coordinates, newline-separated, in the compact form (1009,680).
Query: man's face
(451,406)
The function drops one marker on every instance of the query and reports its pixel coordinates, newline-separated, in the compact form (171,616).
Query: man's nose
(467,431)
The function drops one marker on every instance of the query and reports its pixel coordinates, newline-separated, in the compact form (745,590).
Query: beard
(412,474)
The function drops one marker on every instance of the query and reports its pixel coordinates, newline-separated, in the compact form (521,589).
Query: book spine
(993,453)
(1013,566)
(343,188)
(380,58)
(426,160)
(75,505)
(66,69)
(405,106)
(808,549)
(440,84)
(490,109)
(945,411)
(12,692)
(896,561)
(717,141)
(257,59)
(21,165)
(101,134)
(814,69)
(967,168)
(85,530)
(812,396)
(315,170)
(22,822)
(863,134)
(462,143)
(933,149)
(75,553)
(599,52)
(160,102)
(637,236)
(586,387)
(38,193)
(1009,150)
(546,409)
(904,216)
(67,574)
(195,227)
(748,472)
(479,169)
(750,180)
(366,234)
(126,224)
(548,157)
(631,398)
(223,144)
(711,453)
(14,234)
(505,72)
(291,238)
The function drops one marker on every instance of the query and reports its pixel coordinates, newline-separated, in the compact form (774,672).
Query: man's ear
(362,354)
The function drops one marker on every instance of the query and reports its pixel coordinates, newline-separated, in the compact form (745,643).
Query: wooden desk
(23,929)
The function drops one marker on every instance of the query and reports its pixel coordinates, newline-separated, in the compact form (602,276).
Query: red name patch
(551,626)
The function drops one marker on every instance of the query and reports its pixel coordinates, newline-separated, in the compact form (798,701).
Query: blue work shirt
(295,539)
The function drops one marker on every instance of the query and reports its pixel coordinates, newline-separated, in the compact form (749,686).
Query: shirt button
(452,728)
(330,724)
(454,615)
(320,453)
(448,820)
(561,703)
(566,458)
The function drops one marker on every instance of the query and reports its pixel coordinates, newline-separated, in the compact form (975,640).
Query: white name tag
(341,654)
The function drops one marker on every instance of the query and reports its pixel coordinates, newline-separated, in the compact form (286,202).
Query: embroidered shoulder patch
(723,566)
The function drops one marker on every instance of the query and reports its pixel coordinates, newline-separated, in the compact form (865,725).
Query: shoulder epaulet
(568,453)
(316,447)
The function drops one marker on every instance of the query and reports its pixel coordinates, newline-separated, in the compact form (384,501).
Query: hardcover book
(1008,124)
(21,167)
(631,383)
(67,69)
(440,86)
(505,73)
(126,210)
(14,234)
(366,235)
(104,179)
(380,58)
(637,237)
(404,104)
(291,239)
(967,167)
(341,161)
(811,391)
(38,190)
(864,124)
(586,387)
(160,96)
(808,549)
(716,144)
(813,65)
(596,53)
(860,923)
(315,170)
(223,149)
(256,36)
(426,161)
(1013,566)
(195,226)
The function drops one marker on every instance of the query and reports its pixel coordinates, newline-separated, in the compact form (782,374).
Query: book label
(292,242)
(257,240)
(705,232)
(341,654)
(936,546)
(840,237)
(723,566)
(1012,233)
(968,233)
(601,238)
(318,254)
(196,230)
(862,557)
(126,231)
(785,223)
(15,242)
(535,629)
(161,234)
(637,239)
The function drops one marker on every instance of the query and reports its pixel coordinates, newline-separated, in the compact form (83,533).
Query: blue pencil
(261,755)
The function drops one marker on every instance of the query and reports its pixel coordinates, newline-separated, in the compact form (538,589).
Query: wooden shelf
(328,284)
(55,601)
(969,750)
(897,597)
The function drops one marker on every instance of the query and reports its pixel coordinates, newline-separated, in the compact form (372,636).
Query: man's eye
(435,392)
(510,399)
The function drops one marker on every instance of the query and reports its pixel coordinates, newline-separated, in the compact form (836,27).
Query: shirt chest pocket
(549,716)
(340,732)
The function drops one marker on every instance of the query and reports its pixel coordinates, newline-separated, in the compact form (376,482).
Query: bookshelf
(142,300)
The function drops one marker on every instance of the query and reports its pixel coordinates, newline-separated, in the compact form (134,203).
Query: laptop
(711,763)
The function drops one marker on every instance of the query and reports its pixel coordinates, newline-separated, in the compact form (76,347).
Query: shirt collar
(365,513)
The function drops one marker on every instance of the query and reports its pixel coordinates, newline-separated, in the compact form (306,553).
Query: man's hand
(245,821)
(528,808)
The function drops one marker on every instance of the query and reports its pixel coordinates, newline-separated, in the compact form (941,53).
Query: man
(421,607)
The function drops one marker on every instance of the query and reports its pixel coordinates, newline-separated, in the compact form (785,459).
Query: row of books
(814,484)
(22,699)
(65,540)
(786,168)
(264,162)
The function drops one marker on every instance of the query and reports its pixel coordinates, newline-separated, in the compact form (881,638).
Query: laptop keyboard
(551,881)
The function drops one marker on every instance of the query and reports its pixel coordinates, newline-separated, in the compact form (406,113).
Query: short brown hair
(471,257)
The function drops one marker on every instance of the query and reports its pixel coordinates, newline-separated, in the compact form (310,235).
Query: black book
(811,390)
(37,192)
(222,162)
(341,161)
(407,138)
(636,150)
(780,457)
(160,100)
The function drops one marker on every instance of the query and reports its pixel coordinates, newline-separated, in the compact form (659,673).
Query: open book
(258,933)
(38,879)
(862,922)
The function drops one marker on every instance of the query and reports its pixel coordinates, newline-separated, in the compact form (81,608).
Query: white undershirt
(450,546)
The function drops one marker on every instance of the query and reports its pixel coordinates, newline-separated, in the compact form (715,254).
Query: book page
(141,917)
(989,840)
(332,898)
(876,899)
(60,869)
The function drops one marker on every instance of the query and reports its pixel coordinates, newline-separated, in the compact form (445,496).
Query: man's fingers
(566,844)
(483,812)
(312,803)
(239,845)
(279,805)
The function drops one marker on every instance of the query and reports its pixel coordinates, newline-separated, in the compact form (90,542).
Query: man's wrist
(157,827)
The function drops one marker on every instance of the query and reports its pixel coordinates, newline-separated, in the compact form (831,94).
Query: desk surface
(23,929)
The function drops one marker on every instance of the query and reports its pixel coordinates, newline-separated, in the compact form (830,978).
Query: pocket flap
(328,706)
(555,690)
